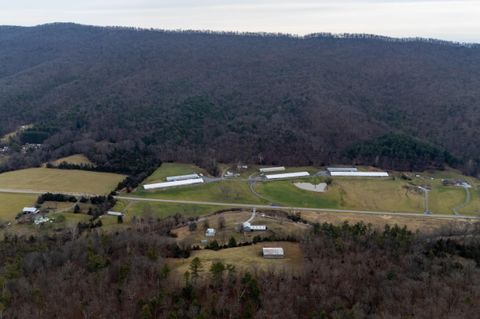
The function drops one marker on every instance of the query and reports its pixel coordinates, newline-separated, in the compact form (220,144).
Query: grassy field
(286,193)
(162,210)
(11,204)
(172,169)
(247,258)
(230,191)
(77,159)
(56,180)
(376,194)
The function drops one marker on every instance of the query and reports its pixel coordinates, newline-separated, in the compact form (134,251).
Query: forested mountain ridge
(193,96)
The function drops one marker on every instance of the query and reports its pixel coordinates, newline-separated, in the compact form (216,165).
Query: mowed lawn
(12,204)
(247,258)
(57,180)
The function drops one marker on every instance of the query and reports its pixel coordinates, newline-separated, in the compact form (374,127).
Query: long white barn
(287,175)
(182,177)
(173,184)
(272,169)
(359,174)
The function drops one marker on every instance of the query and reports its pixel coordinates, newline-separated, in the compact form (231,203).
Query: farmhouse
(30,210)
(341,169)
(249,227)
(272,169)
(287,175)
(272,253)
(359,174)
(182,177)
(173,184)
(210,232)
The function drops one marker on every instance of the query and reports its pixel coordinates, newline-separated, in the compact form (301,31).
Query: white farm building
(359,174)
(276,252)
(287,175)
(182,177)
(30,210)
(173,184)
(116,214)
(249,227)
(272,169)
(341,169)
(210,232)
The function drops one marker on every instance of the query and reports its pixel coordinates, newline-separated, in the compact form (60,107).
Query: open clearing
(12,204)
(247,258)
(61,181)
(78,159)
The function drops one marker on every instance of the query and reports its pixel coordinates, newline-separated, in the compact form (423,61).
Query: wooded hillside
(258,98)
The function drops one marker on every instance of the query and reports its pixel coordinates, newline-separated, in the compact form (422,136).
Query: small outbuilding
(273,252)
(210,232)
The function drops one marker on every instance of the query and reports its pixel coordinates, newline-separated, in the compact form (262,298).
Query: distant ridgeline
(401,152)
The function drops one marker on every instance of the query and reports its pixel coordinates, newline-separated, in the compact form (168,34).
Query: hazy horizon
(452,20)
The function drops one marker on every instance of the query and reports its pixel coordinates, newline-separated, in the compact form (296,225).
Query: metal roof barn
(359,174)
(272,169)
(287,175)
(182,177)
(342,169)
(173,184)
(276,252)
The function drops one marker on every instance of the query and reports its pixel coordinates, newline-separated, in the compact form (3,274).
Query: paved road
(153,200)
(140,199)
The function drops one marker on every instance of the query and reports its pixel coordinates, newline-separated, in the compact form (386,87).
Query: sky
(455,20)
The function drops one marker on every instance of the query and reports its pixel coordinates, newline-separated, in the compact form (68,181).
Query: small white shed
(273,252)
(210,232)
